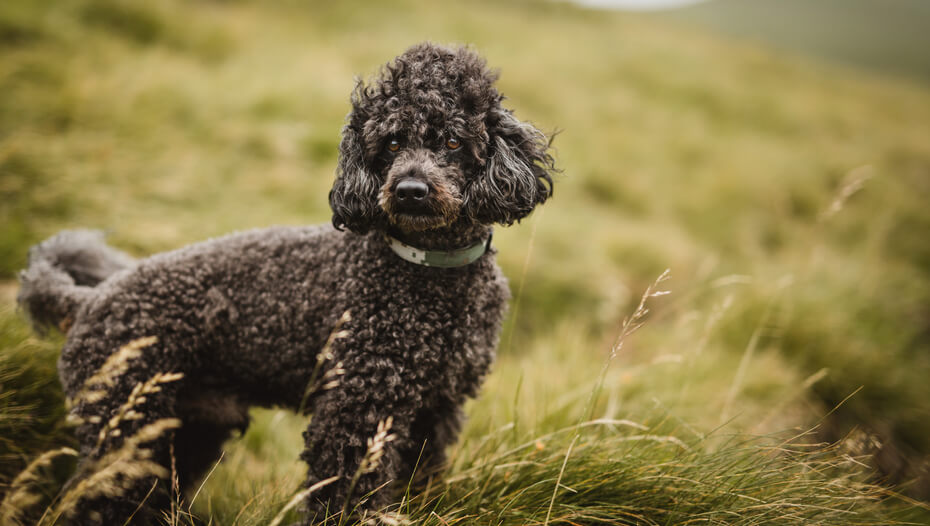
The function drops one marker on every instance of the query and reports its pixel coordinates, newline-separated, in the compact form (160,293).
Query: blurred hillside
(891,36)
(788,198)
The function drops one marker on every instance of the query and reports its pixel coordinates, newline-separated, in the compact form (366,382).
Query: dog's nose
(411,191)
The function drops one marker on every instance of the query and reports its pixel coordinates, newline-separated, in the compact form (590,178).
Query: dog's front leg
(356,434)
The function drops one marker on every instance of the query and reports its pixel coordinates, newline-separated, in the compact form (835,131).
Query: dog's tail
(62,273)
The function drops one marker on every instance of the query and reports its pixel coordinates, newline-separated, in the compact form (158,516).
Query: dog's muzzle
(419,194)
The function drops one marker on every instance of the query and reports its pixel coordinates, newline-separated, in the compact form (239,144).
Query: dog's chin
(414,222)
(440,211)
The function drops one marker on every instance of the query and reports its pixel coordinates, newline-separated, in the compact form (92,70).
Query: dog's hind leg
(126,435)
(209,419)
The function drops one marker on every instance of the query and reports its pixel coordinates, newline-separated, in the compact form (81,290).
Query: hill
(891,36)
(788,198)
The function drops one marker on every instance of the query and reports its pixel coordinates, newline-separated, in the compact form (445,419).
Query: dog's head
(428,146)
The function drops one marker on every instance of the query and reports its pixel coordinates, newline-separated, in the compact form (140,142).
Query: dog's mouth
(417,222)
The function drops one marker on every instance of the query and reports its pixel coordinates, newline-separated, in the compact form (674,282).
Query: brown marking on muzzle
(441,206)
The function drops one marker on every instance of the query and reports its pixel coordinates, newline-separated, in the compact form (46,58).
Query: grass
(889,36)
(31,404)
(169,122)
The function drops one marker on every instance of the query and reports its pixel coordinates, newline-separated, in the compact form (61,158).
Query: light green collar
(439,258)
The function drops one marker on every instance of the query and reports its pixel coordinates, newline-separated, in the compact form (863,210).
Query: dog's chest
(432,331)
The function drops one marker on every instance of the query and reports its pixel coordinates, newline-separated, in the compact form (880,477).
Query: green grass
(168,122)
(31,402)
(889,36)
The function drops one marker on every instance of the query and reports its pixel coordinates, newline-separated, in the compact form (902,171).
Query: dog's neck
(452,238)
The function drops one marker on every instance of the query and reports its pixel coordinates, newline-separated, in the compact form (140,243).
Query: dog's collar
(439,258)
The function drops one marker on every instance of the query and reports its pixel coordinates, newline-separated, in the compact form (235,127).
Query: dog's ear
(354,196)
(518,171)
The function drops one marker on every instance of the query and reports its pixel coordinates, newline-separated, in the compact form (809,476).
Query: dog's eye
(452,143)
(394,145)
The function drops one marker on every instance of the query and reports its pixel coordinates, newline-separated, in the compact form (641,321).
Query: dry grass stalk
(95,387)
(299,497)
(853,182)
(376,446)
(173,516)
(387,518)
(715,315)
(116,471)
(202,482)
(537,218)
(21,495)
(558,481)
(632,323)
(141,504)
(371,460)
(330,379)
(137,397)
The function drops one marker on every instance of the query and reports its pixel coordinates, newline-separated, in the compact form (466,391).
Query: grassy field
(891,36)
(789,201)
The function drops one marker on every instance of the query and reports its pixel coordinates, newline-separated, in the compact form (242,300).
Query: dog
(429,161)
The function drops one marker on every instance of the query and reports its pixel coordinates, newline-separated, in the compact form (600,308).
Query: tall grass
(106,472)
(563,467)
(32,408)
(169,122)
(596,471)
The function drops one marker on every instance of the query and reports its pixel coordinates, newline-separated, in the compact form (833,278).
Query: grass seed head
(95,387)
(127,411)
(23,493)
(376,445)
(118,471)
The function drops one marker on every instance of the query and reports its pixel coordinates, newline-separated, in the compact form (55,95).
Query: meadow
(889,36)
(783,379)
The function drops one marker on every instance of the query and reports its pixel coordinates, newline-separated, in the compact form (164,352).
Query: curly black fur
(498,174)
(244,317)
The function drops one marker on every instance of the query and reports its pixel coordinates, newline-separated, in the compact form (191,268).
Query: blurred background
(774,154)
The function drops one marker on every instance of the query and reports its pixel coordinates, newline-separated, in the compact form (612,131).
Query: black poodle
(429,160)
